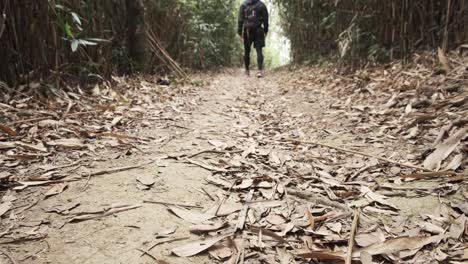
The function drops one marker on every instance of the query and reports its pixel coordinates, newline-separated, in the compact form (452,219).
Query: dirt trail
(115,239)
(229,111)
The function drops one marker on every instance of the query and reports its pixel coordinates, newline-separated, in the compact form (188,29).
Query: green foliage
(69,21)
(373,30)
(88,36)
(209,36)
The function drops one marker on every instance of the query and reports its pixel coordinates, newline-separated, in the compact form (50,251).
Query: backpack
(251,16)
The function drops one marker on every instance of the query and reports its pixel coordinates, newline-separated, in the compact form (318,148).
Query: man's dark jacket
(260,10)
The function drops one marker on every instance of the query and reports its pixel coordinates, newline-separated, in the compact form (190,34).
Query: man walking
(252,28)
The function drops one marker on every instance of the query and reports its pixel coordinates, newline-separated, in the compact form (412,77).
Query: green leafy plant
(71,24)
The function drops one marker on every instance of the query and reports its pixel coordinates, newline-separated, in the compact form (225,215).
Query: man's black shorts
(255,36)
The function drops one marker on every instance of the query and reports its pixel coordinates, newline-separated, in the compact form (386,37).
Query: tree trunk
(136,40)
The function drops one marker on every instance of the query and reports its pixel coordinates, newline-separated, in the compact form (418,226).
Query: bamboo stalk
(446,28)
(349,255)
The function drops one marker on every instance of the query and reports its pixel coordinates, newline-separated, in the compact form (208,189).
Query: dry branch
(119,169)
(174,204)
(349,255)
(355,152)
(319,199)
(163,55)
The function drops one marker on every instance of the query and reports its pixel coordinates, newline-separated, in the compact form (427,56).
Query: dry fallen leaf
(366,258)
(397,244)
(321,255)
(365,240)
(195,247)
(38,147)
(376,197)
(7,145)
(311,218)
(207,227)
(56,189)
(443,150)
(68,143)
(265,232)
(225,209)
(8,130)
(284,256)
(166,231)
(50,123)
(431,228)
(190,216)
(220,252)
(457,228)
(4,207)
(146,179)
(443,59)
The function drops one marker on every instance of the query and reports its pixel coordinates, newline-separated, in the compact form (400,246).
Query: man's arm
(240,20)
(265,19)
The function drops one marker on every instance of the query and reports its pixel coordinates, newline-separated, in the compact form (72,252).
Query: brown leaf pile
(49,137)
(294,201)
(44,130)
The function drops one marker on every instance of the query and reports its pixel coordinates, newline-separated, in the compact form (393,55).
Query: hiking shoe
(259,74)
(247,73)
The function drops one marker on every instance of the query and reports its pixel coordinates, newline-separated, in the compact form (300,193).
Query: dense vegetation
(83,37)
(374,29)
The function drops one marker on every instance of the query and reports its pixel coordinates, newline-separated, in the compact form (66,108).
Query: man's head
(251,2)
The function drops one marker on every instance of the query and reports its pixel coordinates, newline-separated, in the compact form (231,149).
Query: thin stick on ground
(225,198)
(205,166)
(147,253)
(162,241)
(212,151)
(243,213)
(119,169)
(349,255)
(174,204)
(355,152)
(8,256)
(319,199)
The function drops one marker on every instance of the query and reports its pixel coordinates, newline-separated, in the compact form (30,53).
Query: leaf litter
(293,169)
(389,119)
(63,140)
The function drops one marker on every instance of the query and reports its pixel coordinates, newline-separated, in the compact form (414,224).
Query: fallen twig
(86,184)
(174,204)
(114,170)
(212,151)
(208,194)
(205,166)
(349,254)
(145,252)
(162,241)
(9,257)
(243,212)
(317,198)
(359,153)
(44,249)
(45,118)
(358,172)
(426,175)
(91,216)
(21,240)
(28,207)
(225,198)
(62,167)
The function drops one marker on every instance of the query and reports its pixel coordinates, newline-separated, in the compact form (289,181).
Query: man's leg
(247,46)
(259,44)
(260,58)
